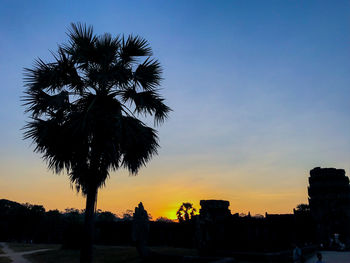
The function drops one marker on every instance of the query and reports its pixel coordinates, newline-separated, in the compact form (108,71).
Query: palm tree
(185,212)
(84,108)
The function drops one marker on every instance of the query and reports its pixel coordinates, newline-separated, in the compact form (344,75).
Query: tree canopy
(84,105)
(185,212)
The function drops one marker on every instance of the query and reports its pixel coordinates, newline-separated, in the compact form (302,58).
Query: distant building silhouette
(211,225)
(218,232)
(215,209)
(329,200)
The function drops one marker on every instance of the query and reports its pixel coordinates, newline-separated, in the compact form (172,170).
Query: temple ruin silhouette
(329,200)
(324,223)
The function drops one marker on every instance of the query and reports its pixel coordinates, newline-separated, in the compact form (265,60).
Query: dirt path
(16,257)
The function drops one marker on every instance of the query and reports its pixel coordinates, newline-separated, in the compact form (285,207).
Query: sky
(259,91)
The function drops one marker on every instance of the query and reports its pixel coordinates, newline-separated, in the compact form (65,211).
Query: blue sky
(260,93)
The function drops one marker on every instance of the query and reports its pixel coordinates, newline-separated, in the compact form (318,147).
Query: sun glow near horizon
(162,196)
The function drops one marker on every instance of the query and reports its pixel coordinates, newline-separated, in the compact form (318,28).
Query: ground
(332,257)
(3,258)
(1,251)
(23,247)
(10,255)
(102,254)
(117,255)
(42,253)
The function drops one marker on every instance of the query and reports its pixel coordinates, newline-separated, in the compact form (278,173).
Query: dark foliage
(84,111)
(82,106)
(22,223)
(185,212)
(303,208)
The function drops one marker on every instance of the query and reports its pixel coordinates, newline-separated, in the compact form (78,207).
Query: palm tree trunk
(88,235)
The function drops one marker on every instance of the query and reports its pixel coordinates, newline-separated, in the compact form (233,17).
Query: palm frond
(120,75)
(79,31)
(106,48)
(66,66)
(52,141)
(148,74)
(40,77)
(53,76)
(40,102)
(82,44)
(134,46)
(147,102)
(138,143)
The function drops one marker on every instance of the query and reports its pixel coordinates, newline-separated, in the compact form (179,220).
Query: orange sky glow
(161,194)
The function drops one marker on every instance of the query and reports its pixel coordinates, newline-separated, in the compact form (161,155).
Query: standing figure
(297,255)
(319,258)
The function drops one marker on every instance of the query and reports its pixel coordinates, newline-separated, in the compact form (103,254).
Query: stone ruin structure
(329,200)
(140,230)
(247,238)
(327,221)
(140,233)
(211,225)
(217,233)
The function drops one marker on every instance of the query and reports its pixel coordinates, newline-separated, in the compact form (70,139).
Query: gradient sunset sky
(260,92)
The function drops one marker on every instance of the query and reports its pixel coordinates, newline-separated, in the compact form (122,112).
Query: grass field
(72,256)
(102,254)
(5,260)
(23,247)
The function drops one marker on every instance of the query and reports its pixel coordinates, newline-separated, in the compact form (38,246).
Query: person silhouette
(297,254)
(319,258)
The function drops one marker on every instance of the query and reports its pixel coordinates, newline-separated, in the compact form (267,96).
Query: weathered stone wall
(329,200)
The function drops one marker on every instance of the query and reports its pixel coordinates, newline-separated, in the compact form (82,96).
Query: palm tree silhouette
(185,212)
(84,110)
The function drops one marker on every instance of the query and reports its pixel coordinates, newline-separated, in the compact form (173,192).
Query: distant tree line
(32,223)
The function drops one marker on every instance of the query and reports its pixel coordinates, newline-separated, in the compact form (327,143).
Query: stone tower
(211,226)
(329,200)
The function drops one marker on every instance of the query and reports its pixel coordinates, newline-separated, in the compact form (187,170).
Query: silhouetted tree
(303,208)
(73,230)
(127,215)
(258,216)
(84,109)
(164,220)
(106,216)
(53,226)
(185,212)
